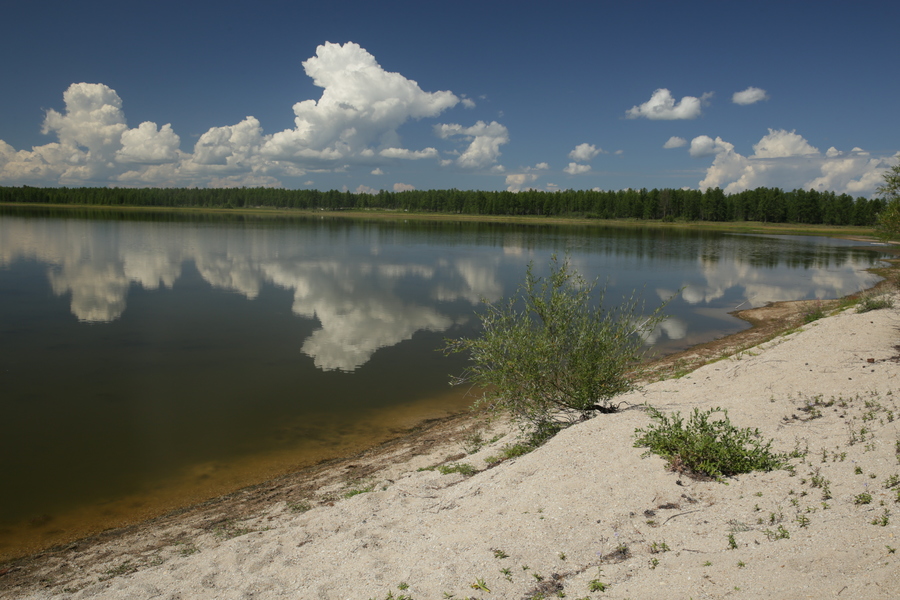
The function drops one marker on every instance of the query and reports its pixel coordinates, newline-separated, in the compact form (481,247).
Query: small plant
(741,564)
(657,547)
(464,469)
(891,550)
(654,562)
(864,498)
(507,573)
(596,585)
(562,556)
(814,312)
(358,491)
(892,481)
(883,520)
(732,543)
(301,506)
(500,554)
(779,534)
(707,563)
(874,302)
(402,586)
(708,447)
(857,470)
(803,520)
(480,585)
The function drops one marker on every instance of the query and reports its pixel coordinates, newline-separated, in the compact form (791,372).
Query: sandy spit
(588,511)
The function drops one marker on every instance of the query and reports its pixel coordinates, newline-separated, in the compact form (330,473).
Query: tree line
(771,205)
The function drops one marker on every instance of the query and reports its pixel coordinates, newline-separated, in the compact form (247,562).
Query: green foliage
(889,219)
(462,468)
(874,302)
(771,205)
(552,354)
(814,312)
(708,447)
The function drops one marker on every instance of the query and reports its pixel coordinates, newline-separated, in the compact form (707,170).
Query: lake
(151,361)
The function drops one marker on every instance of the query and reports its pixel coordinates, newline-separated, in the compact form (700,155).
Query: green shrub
(707,447)
(552,355)
(874,302)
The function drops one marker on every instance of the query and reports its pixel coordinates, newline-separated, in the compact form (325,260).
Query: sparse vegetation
(715,448)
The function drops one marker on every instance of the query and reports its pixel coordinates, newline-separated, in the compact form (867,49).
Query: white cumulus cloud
(675,142)
(662,106)
(355,122)
(484,139)
(519,181)
(149,145)
(751,95)
(409,154)
(584,152)
(576,169)
(362,105)
(403,187)
(786,160)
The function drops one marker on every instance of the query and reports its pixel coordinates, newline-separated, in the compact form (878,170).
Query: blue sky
(365,96)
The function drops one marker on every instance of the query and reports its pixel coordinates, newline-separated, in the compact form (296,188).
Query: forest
(770,205)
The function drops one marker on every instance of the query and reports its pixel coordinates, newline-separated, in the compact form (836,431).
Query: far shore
(752,227)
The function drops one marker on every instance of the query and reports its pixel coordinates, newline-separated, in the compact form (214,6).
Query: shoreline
(331,482)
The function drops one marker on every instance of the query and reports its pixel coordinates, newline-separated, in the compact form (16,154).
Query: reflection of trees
(373,285)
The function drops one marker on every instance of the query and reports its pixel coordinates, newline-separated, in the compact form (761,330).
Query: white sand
(562,510)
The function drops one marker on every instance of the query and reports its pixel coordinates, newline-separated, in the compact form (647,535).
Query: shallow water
(145,364)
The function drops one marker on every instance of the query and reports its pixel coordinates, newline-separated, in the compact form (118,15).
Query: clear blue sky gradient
(551,75)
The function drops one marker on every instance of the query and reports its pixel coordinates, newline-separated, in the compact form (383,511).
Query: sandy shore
(585,509)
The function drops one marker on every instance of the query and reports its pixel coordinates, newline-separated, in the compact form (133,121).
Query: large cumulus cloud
(787,160)
(356,121)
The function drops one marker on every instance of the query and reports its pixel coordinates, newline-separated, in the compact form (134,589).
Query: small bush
(715,448)
(814,312)
(874,302)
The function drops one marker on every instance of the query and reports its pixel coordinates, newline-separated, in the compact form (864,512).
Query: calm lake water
(152,362)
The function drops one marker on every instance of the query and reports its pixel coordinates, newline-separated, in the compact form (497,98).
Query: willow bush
(552,354)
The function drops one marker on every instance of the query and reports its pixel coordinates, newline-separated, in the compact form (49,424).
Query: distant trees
(771,205)
(889,218)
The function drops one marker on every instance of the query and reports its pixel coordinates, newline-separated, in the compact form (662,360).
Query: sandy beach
(584,516)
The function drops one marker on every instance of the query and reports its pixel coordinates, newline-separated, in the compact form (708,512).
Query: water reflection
(370,286)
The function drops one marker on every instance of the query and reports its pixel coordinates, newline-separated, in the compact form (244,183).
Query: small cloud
(364,189)
(377,171)
(468,103)
(484,139)
(518,181)
(405,154)
(584,152)
(576,169)
(542,166)
(751,95)
(619,152)
(662,106)
(403,187)
(675,142)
